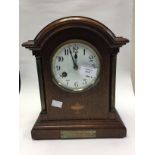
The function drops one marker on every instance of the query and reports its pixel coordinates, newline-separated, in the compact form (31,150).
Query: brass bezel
(51,63)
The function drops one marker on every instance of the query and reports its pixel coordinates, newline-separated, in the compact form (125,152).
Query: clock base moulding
(112,127)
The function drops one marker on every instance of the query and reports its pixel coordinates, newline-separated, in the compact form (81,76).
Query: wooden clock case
(89,114)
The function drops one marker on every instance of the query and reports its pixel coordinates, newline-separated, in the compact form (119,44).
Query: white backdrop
(36,14)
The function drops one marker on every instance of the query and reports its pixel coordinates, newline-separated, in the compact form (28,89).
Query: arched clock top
(75,22)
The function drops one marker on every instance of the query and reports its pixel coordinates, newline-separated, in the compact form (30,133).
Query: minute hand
(75,65)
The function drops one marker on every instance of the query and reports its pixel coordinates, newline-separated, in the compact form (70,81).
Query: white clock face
(75,65)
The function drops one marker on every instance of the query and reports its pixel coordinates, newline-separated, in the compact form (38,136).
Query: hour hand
(75,65)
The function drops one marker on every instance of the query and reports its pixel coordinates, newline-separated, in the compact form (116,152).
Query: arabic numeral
(84,81)
(76,84)
(66,51)
(58,68)
(94,65)
(67,82)
(91,58)
(84,51)
(75,49)
(60,58)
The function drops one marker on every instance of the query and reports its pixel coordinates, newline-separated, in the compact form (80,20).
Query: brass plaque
(66,134)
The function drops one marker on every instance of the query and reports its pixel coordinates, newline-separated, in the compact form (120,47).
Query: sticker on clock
(88,71)
(56,103)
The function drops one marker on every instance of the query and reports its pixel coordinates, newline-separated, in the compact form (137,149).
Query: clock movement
(76,64)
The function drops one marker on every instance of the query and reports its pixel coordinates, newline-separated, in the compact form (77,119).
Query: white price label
(88,71)
(56,103)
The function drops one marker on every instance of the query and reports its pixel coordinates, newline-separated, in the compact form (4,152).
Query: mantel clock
(76,64)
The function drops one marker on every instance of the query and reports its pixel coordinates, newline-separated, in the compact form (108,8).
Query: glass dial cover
(75,65)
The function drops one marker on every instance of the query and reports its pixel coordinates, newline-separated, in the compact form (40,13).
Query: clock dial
(75,65)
